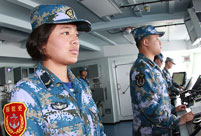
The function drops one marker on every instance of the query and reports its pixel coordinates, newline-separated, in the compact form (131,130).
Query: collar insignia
(151,63)
(46,79)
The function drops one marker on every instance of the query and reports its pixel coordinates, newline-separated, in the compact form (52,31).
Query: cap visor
(82,25)
(171,62)
(161,33)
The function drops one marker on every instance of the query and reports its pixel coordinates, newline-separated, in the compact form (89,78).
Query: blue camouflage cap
(83,69)
(144,31)
(159,56)
(57,14)
(168,59)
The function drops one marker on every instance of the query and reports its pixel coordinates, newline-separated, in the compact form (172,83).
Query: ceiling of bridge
(111,20)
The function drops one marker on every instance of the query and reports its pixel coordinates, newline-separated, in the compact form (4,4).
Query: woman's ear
(43,49)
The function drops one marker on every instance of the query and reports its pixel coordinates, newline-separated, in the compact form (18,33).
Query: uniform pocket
(70,130)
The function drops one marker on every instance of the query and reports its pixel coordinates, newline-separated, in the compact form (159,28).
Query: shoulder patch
(15,118)
(140,79)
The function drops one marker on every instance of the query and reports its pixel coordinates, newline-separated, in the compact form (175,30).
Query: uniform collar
(166,70)
(147,60)
(48,78)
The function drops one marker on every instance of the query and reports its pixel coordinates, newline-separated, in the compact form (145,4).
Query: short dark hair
(37,39)
(138,42)
(156,57)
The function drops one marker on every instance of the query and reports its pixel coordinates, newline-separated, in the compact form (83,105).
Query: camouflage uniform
(85,80)
(172,86)
(150,99)
(54,109)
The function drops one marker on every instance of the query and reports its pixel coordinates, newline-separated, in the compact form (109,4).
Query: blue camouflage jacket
(150,99)
(52,109)
(172,86)
(86,80)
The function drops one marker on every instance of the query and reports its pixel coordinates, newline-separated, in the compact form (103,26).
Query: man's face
(84,73)
(154,44)
(158,62)
(169,65)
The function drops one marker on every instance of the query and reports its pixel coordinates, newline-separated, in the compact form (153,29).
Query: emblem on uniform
(70,13)
(14,118)
(140,79)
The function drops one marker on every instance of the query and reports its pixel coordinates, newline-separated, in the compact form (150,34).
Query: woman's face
(63,45)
